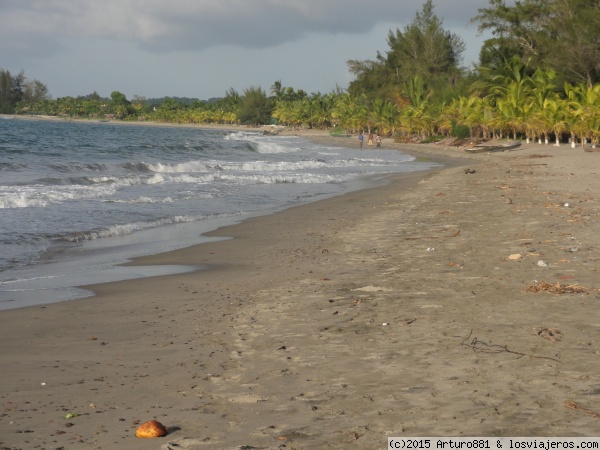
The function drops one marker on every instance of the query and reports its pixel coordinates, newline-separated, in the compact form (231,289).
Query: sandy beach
(455,302)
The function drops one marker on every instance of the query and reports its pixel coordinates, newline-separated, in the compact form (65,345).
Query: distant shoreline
(133,123)
(268,129)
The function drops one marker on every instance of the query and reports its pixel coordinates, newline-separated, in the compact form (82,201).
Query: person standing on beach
(378,140)
(370,140)
(360,139)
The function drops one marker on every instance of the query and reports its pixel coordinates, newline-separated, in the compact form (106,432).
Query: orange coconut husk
(151,429)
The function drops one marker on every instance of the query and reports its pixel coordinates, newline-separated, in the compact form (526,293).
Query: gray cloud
(201,48)
(163,26)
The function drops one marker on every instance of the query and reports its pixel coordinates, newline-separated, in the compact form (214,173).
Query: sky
(203,48)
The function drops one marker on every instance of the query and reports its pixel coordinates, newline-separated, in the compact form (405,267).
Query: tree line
(538,77)
(18,93)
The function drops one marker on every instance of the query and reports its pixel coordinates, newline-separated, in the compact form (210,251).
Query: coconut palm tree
(322,107)
(543,88)
(350,111)
(384,115)
(587,108)
(574,118)
(413,120)
(445,120)
(468,112)
(281,112)
(509,93)
(555,115)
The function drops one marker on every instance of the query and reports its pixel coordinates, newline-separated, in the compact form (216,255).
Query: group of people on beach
(361,139)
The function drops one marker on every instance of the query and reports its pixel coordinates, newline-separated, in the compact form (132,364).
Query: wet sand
(397,310)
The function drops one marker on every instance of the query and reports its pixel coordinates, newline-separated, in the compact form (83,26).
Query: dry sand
(398,310)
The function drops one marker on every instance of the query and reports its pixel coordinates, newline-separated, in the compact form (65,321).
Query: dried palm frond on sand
(556,288)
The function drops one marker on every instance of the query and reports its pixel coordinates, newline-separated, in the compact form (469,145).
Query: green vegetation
(255,108)
(18,92)
(538,78)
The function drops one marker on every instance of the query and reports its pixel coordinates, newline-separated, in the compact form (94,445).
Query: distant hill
(182,100)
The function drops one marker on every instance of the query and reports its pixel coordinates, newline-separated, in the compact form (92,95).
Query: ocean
(77,199)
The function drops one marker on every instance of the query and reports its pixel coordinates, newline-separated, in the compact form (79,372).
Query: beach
(453,302)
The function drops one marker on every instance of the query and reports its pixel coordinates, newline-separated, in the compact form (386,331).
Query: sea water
(78,199)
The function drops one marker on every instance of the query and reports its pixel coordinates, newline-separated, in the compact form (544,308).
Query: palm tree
(508,92)
(322,107)
(575,104)
(445,120)
(413,120)
(351,111)
(281,112)
(384,115)
(555,114)
(543,89)
(469,112)
(587,109)
(277,90)
(513,104)
(416,93)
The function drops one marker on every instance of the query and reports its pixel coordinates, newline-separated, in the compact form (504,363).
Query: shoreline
(50,284)
(395,310)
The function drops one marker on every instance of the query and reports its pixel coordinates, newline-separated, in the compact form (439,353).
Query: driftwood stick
(480,346)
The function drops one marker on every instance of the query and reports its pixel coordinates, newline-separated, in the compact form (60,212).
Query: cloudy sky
(202,48)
